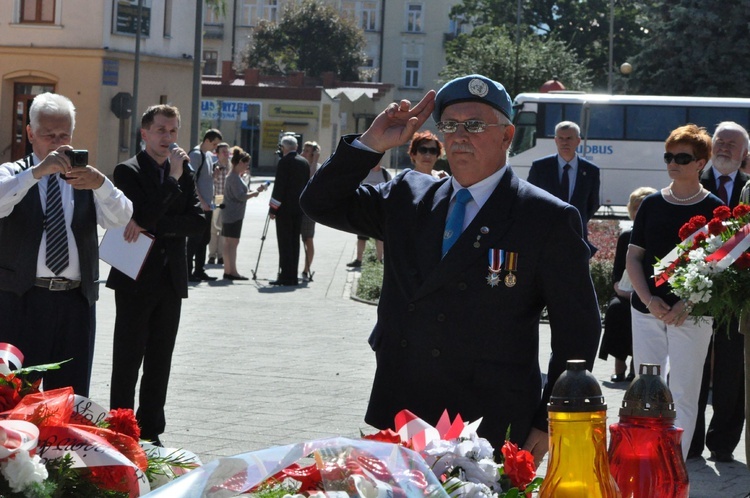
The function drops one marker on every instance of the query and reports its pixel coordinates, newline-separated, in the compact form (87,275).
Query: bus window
(553,114)
(655,123)
(711,116)
(525,137)
(605,122)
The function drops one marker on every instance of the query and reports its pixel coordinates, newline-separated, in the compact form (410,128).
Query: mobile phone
(78,158)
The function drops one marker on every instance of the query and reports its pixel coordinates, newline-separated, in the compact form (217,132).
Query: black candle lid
(648,395)
(577,390)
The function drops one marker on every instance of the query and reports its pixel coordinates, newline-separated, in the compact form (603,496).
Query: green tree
(491,51)
(312,37)
(694,50)
(583,25)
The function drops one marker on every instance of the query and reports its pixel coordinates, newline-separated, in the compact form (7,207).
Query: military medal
(511,265)
(496,258)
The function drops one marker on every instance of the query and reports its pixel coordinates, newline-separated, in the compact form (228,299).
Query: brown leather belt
(57,284)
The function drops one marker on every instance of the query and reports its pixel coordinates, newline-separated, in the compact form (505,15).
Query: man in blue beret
(472,261)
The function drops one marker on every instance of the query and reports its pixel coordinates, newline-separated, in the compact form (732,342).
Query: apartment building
(405,39)
(86,51)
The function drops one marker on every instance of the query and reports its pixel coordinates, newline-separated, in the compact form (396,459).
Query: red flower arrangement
(708,269)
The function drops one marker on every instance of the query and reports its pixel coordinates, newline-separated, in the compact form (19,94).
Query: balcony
(213,31)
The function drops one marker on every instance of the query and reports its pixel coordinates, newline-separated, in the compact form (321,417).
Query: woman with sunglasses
(664,333)
(425,149)
(236,195)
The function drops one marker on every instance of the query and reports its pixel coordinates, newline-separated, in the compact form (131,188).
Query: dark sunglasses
(682,158)
(428,150)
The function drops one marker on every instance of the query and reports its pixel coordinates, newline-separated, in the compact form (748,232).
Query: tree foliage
(312,37)
(694,50)
(491,51)
(582,25)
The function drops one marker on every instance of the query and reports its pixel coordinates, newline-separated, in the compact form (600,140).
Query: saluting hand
(397,123)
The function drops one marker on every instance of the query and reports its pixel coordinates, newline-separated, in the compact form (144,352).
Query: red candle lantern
(645,455)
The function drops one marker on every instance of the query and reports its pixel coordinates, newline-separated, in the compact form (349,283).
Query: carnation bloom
(722,213)
(519,465)
(123,420)
(22,470)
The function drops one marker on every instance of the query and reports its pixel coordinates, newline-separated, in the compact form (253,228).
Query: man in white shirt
(48,278)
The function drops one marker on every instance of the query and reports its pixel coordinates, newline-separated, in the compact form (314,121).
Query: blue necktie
(57,235)
(565,183)
(455,222)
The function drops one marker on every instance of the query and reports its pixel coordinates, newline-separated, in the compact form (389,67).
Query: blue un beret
(472,88)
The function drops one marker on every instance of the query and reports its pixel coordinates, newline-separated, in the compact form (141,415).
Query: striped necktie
(54,224)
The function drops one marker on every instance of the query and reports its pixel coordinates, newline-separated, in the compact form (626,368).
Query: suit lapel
(486,229)
(428,236)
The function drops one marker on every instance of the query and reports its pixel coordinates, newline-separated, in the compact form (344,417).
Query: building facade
(405,39)
(86,51)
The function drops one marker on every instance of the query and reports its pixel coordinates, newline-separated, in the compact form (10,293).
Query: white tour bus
(622,134)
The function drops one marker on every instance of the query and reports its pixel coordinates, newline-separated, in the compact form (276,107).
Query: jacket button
(462,286)
(441,317)
(411,307)
(404,343)
(435,353)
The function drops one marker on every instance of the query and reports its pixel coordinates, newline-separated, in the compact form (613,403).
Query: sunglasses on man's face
(682,158)
(427,150)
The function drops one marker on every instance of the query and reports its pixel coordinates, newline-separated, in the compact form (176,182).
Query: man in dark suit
(724,179)
(49,256)
(568,176)
(472,261)
(292,174)
(159,182)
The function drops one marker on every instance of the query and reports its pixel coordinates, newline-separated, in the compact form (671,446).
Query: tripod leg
(262,241)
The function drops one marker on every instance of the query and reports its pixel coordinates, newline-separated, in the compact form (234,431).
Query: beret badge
(478,87)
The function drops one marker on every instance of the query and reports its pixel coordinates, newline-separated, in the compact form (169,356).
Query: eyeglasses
(427,150)
(471,126)
(682,158)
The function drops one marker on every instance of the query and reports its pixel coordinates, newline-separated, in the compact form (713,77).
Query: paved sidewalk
(257,366)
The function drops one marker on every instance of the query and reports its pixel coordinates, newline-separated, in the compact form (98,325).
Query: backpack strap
(203,161)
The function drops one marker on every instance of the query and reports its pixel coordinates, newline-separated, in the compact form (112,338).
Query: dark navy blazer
(446,338)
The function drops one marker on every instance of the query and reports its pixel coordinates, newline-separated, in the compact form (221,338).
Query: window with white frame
(210,62)
(369,16)
(270,10)
(210,16)
(248,13)
(414,18)
(411,73)
(37,11)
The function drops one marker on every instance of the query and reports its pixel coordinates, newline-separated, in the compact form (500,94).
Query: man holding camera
(50,204)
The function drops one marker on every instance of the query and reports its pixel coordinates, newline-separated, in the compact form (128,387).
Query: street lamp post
(611,42)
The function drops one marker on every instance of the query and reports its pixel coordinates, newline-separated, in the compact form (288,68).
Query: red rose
(741,210)
(716,227)
(123,420)
(519,465)
(9,392)
(722,212)
(743,262)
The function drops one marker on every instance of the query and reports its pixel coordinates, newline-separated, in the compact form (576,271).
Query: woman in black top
(664,333)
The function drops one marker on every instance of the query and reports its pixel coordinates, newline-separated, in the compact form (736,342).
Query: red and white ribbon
(9,354)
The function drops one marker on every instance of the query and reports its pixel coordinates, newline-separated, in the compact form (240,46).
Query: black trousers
(288,229)
(727,393)
(196,246)
(145,332)
(49,327)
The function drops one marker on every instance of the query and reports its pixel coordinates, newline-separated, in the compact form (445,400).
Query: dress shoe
(220,261)
(194,278)
(722,456)
(204,276)
(630,377)
(355,264)
(618,377)
(154,440)
(284,282)
(227,276)
(211,261)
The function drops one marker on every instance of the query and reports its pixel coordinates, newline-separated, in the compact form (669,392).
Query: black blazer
(544,174)
(445,338)
(709,182)
(21,234)
(292,174)
(170,211)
